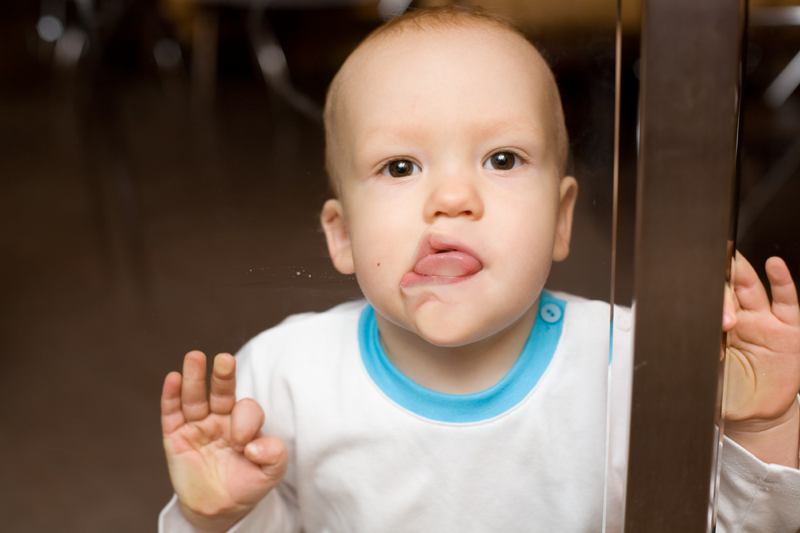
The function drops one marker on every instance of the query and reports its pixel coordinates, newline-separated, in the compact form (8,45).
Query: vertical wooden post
(688,101)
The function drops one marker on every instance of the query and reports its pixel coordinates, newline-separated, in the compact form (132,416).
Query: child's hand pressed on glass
(763,376)
(219,462)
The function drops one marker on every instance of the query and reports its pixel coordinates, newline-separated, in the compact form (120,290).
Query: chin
(448,331)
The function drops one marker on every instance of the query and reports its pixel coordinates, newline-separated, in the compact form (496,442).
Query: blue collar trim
(462,408)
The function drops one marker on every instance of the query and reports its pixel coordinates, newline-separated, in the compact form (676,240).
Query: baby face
(452,205)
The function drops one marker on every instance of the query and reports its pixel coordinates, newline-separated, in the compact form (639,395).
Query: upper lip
(434,243)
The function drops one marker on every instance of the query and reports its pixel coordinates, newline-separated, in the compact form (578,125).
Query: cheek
(527,218)
(382,251)
(382,230)
(524,234)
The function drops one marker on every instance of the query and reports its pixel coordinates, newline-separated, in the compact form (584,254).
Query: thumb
(270,454)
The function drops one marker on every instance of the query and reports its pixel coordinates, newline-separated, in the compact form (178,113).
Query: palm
(763,367)
(205,438)
(202,455)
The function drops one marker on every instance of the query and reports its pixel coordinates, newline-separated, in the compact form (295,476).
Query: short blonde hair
(436,18)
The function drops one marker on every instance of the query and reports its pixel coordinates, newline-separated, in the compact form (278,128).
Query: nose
(452,195)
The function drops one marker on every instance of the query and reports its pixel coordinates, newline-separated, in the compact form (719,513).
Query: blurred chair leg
(274,68)
(784,84)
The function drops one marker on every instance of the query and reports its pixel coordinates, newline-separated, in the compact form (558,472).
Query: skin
(466,103)
(763,367)
(517,221)
(219,463)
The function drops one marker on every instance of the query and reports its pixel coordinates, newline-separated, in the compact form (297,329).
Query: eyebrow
(406,135)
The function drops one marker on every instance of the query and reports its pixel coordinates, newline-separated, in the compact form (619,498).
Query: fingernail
(224,365)
(253,448)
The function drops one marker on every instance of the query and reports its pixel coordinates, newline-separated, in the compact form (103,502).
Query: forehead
(476,74)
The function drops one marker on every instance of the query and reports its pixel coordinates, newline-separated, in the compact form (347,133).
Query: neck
(456,369)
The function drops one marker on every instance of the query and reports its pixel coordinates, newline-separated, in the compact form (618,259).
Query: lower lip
(412,279)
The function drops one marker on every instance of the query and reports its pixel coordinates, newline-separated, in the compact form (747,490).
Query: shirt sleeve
(755,496)
(271,515)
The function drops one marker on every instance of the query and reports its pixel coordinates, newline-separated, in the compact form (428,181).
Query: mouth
(441,260)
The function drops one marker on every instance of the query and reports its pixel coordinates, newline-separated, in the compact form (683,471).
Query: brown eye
(400,168)
(502,161)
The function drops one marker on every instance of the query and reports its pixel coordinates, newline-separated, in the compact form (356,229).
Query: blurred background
(160,180)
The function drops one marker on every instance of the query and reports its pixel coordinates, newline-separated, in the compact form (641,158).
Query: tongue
(450,264)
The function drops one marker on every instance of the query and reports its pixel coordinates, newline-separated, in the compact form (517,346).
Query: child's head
(446,146)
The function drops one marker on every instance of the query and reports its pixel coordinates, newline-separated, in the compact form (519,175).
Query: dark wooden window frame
(689,94)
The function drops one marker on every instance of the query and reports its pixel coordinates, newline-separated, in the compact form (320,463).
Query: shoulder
(588,313)
(306,329)
(303,332)
(581,315)
(591,325)
(588,323)
(303,350)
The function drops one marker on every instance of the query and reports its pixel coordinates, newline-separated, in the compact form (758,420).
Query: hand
(763,367)
(219,463)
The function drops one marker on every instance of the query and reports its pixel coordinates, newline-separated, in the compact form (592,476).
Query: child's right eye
(400,168)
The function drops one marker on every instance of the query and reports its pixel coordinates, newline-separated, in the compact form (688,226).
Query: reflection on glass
(626,116)
(580,47)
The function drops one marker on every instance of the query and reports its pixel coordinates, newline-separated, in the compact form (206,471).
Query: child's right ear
(339,246)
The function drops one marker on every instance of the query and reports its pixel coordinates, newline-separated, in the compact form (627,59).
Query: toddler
(460,395)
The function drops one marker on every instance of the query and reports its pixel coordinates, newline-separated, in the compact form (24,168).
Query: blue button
(550,313)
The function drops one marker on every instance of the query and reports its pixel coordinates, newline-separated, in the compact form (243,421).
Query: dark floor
(136,225)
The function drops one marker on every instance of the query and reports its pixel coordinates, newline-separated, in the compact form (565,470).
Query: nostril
(455,213)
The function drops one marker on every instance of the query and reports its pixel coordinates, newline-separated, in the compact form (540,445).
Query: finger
(750,293)
(223,384)
(728,310)
(270,453)
(171,414)
(193,393)
(246,421)
(784,293)
(265,450)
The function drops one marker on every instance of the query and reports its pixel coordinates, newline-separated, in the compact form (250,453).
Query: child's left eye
(400,168)
(503,160)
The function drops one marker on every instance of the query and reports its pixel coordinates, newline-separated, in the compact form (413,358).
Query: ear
(568,194)
(339,247)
